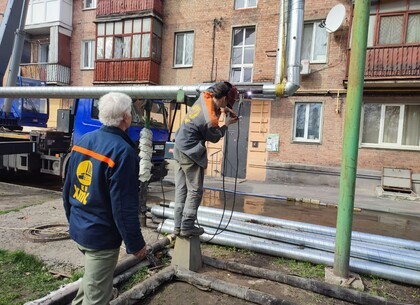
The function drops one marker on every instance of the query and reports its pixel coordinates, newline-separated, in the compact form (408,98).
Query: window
(391,126)
(88,54)
(307,122)
(245,4)
(394,23)
(314,44)
(89,4)
(44,48)
(243,48)
(184,49)
(130,38)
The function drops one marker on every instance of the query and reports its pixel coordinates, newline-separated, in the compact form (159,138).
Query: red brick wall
(196,15)
(83,29)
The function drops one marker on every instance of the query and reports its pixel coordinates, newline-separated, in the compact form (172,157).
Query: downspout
(294,46)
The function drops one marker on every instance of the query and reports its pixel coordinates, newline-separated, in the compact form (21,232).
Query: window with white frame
(87,4)
(245,4)
(307,122)
(184,49)
(243,49)
(391,125)
(130,38)
(314,43)
(88,54)
(43,50)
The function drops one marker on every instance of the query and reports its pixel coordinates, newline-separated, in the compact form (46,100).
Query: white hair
(112,107)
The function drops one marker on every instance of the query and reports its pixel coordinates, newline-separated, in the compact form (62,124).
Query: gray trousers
(189,179)
(96,285)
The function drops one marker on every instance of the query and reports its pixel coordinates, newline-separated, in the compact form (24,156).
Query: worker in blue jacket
(100,197)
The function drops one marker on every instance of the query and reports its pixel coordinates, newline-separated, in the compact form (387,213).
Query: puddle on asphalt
(386,224)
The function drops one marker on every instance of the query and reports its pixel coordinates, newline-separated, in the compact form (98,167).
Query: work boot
(195,231)
(177,231)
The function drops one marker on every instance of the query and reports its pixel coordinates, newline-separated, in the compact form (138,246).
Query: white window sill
(306,141)
(182,66)
(395,147)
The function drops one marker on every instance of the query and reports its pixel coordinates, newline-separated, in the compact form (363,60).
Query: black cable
(223,183)
(163,197)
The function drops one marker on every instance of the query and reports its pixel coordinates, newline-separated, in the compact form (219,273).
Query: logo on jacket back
(84,175)
(193,113)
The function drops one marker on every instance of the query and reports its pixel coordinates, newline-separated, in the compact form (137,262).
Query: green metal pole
(351,137)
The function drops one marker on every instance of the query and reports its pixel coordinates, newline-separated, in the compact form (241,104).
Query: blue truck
(25,111)
(48,151)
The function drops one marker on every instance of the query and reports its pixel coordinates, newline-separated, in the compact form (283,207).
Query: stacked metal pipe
(386,257)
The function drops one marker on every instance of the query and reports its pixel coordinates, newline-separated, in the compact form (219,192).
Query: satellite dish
(335,18)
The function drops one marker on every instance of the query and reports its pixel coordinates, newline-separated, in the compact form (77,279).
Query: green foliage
(136,278)
(24,278)
(303,269)
(222,251)
(8,211)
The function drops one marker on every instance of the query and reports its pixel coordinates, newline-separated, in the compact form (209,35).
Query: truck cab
(31,112)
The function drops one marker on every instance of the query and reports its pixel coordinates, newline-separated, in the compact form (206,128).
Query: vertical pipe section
(294,41)
(351,137)
(280,47)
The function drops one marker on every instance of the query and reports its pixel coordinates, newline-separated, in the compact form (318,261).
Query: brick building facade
(186,42)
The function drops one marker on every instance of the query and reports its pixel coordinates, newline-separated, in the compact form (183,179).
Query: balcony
(127,71)
(398,64)
(52,74)
(119,7)
(43,14)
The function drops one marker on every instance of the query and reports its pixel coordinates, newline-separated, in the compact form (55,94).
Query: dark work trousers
(189,179)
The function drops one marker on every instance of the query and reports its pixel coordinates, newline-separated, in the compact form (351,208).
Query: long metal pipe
(165,212)
(396,257)
(313,228)
(274,248)
(264,90)
(350,148)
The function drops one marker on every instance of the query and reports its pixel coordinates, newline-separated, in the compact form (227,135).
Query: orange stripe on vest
(208,98)
(94,155)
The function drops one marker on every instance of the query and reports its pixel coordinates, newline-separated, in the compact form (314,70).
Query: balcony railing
(118,7)
(52,74)
(127,71)
(399,62)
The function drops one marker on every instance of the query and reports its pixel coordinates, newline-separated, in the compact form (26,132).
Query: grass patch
(303,269)
(137,277)
(377,286)
(24,278)
(9,211)
(222,251)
